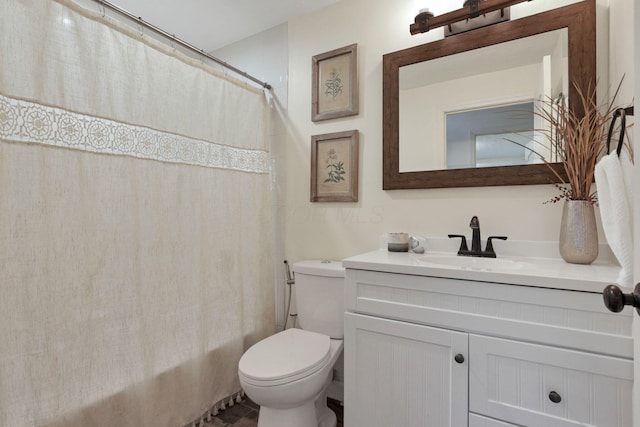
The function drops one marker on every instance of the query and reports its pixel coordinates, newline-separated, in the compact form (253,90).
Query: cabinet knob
(554,397)
(615,299)
(459,358)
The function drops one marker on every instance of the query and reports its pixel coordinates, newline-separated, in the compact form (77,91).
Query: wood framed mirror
(578,19)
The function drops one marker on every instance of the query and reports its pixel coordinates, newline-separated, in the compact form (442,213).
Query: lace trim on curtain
(30,122)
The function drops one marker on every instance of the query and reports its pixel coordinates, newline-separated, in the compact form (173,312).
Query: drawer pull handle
(554,397)
(459,358)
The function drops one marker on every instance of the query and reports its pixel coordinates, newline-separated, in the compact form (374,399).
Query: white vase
(578,232)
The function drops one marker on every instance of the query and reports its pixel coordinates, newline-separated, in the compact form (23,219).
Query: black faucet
(476,245)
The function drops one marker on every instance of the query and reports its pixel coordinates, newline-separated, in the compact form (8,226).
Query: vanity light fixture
(425,20)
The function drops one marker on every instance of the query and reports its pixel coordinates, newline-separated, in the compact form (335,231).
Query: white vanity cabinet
(441,351)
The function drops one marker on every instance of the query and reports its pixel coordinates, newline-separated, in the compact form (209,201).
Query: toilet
(288,373)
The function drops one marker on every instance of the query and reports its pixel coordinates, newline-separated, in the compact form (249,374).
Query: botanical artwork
(333,176)
(334,167)
(335,84)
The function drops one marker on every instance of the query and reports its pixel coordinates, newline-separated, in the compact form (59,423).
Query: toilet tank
(319,288)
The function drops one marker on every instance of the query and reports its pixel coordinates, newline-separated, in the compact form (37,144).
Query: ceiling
(212,24)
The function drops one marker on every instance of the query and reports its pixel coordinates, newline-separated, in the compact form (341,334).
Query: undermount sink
(474,263)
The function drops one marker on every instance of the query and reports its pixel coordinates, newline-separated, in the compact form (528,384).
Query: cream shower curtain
(135,226)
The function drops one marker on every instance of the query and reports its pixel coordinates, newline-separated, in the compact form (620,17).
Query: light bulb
(421,6)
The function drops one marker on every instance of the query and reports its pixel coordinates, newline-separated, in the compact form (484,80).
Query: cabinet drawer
(577,320)
(536,385)
(476,420)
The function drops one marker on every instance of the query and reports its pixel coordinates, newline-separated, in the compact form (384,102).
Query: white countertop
(546,272)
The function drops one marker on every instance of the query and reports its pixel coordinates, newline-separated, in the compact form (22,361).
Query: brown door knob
(615,299)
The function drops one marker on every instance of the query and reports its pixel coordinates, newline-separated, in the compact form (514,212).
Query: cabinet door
(537,385)
(403,374)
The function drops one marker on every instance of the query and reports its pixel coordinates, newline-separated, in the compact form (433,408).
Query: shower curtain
(135,224)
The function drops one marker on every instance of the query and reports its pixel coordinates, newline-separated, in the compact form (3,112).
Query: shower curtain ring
(102,10)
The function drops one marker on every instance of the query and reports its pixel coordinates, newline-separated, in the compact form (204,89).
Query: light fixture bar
(426,21)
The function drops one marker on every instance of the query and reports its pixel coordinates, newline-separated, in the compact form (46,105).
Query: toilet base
(327,418)
(315,413)
(301,416)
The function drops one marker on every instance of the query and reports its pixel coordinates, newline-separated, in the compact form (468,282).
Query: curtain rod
(183,43)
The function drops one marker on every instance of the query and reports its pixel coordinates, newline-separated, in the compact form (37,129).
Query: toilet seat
(285,357)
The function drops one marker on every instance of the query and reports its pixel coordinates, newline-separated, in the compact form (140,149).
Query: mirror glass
(493,136)
(449,107)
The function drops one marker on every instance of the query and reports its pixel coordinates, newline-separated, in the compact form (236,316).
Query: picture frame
(334,167)
(334,91)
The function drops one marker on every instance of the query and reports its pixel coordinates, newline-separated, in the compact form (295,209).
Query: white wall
(338,230)
(265,56)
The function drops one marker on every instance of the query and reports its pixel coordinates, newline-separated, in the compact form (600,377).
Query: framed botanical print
(334,91)
(334,167)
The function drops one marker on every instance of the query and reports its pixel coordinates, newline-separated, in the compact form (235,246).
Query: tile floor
(245,414)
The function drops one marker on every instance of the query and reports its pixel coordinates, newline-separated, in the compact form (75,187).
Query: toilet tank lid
(317,267)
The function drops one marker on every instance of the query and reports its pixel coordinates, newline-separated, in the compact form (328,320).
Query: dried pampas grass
(577,137)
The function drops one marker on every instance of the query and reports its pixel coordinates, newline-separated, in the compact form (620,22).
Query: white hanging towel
(613,177)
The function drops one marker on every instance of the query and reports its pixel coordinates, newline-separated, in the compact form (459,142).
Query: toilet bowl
(288,373)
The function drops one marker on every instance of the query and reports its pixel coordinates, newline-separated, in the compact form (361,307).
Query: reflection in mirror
(498,136)
(439,98)
(496,150)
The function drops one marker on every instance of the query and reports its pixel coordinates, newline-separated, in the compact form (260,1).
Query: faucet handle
(489,248)
(463,242)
